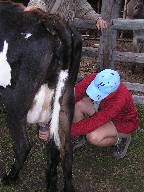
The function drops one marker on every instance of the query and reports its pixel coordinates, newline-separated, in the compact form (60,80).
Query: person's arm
(34,4)
(108,111)
(80,88)
(85,11)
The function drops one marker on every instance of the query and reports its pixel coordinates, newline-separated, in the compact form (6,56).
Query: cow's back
(27,32)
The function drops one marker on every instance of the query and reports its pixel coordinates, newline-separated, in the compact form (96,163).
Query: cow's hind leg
(54,155)
(16,121)
(21,149)
(53,161)
(66,161)
(66,152)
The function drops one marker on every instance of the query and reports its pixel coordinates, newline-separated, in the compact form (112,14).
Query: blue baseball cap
(105,82)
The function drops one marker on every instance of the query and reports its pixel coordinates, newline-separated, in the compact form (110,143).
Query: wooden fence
(124,24)
(114,55)
(127,24)
(80,24)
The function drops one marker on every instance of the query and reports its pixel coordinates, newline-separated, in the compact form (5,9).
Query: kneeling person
(104,112)
(109,105)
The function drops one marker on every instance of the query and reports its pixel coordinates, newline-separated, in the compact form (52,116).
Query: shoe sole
(81,143)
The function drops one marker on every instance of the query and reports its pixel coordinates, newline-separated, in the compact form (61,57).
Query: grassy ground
(94,170)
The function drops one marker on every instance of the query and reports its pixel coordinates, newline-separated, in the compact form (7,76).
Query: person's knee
(78,106)
(85,106)
(78,113)
(94,139)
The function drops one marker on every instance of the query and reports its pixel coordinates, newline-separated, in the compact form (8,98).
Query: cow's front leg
(21,148)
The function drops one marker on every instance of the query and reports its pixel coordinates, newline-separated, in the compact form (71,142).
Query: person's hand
(44,135)
(30,8)
(101,24)
(21,5)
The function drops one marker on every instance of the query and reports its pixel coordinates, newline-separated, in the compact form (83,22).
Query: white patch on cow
(5,69)
(26,35)
(41,107)
(54,125)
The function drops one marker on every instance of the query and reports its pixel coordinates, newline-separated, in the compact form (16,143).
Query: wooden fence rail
(90,51)
(127,24)
(139,99)
(118,24)
(124,24)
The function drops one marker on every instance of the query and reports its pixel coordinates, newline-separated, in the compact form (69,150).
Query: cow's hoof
(7,180)
(71,189)
(52,190)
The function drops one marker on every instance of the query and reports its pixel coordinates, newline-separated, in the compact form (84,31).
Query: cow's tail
(76,55)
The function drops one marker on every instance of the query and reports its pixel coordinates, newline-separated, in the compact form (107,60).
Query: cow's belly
(40,110)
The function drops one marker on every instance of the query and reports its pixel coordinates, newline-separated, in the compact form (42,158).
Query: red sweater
(117,107)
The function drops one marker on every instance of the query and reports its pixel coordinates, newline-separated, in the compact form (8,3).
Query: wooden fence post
(110,10)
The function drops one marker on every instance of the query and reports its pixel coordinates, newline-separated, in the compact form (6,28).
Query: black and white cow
(39,62)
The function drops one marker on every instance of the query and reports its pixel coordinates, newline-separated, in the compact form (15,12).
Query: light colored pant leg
(119,135)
